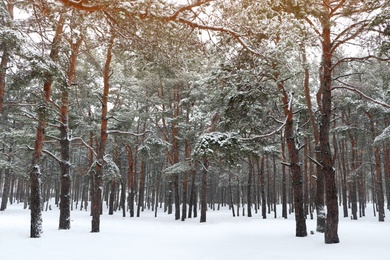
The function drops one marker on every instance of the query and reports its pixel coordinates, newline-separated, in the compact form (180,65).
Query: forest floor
(221,237)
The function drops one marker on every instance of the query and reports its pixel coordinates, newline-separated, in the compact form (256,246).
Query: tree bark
(65,201)
(130,182)
(98,178)
(6,189)
(65,138)
(35,174)
(296,171)
(203,198)
(141,190)
(332,218)
(378,173)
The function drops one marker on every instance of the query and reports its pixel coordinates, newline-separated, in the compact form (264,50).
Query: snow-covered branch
(46,152)
(353,89)
(315,162)
(127,133)
(266,135)
(81,5)
(84,143)
(348,59)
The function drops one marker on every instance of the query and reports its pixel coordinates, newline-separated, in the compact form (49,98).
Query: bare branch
(84,143)
(127,133)
(365,58)
(266,135)
(46,152)
(188,8)
(338,41)
(286,164)
(337,7)
(313,26)
(316,162)
(80,5)
(353,89)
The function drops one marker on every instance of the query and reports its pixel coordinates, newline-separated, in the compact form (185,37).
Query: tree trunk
(112,198)
(284,182)
(98,178)
(296,172)
(185,181)
(378,172)
(262,189)
(203,199)
(65,137)
(35,174)
(5,57)
(320,198)
(130,182)
(192,204)
(6,189)
(387,173)
(332,218)
(65,200)
(141,190)
(249,191)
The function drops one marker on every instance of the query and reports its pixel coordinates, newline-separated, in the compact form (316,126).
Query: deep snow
(221,237)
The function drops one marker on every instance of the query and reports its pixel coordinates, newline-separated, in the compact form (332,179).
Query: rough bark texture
(65,200)
(98,178)
(6,55)
(296,171)
(35,174)
(3,68)
(6,189)
(141,191)
(65,164)
(332,218)
(378,173)
(320,192)
(203,196)
(130,182)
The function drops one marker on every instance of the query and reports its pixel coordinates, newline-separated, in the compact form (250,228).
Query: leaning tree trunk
(98,174)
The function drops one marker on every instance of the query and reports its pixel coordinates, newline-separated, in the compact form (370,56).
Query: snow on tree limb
(84,143)
(383,137)
(353,89)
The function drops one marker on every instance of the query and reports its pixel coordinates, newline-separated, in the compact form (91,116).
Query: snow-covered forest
(175,109)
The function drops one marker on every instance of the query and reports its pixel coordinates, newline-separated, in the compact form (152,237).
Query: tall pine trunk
(65,203)
(35,173)
(296,171)
(332,217)
(98,174)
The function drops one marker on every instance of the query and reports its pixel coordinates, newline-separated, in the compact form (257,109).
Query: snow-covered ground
(221,237)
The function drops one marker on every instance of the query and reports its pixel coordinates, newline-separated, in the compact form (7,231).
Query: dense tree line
(185,107)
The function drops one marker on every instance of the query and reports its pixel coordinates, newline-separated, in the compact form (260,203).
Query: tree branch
(316,162)
(353,89)
(84,143)
(266,135)
(80,5)
(126,133)
(46,152)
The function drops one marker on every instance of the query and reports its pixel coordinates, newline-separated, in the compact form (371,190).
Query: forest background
(187,104)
